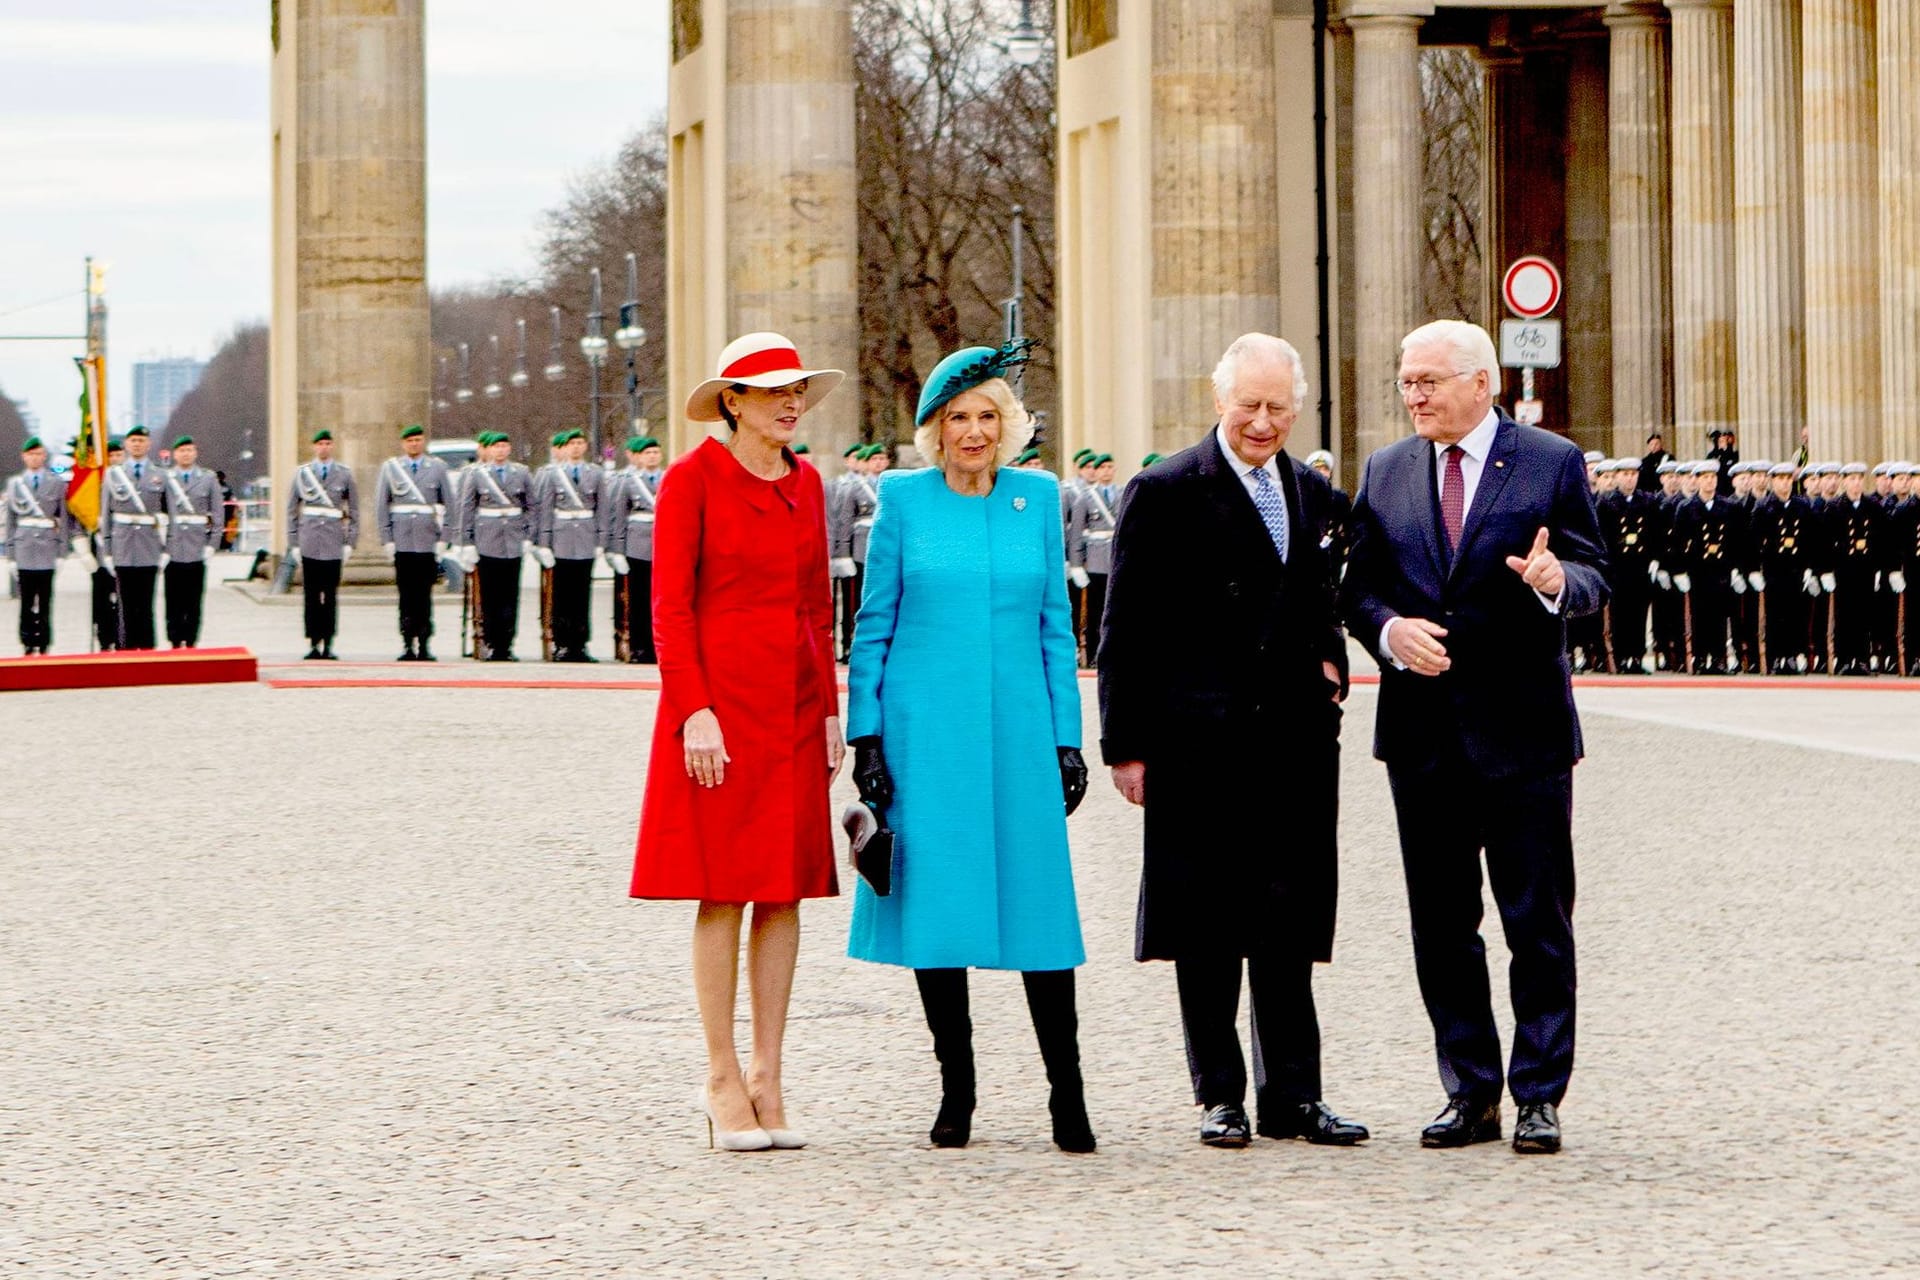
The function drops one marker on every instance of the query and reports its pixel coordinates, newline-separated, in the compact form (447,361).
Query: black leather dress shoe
(1314,1121)
(1536,1131)
(1226,1125)
(1464,1122)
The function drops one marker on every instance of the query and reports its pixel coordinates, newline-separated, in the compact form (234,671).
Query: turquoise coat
(963,664)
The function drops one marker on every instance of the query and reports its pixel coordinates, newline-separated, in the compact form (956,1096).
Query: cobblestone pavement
(285,1002)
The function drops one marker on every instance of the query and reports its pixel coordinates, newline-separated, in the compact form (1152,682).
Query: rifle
(471,618)
(546,615)
(622,618)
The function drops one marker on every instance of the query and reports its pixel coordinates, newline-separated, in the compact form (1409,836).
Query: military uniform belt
(189,519)
(122,517)
(1099,535)
(34,522)
(323,513)
(865,522)
(639,515)
(497,512)
(573,513)
(409,509)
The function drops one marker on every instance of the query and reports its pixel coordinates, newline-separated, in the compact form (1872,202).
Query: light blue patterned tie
(1273,509)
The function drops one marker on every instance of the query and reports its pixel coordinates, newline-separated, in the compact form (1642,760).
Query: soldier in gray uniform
(1090,548)
(856,503)
(132,498)
(196,517)
(627,534)
(410,507)
(839,567)
(37,528)
(323,509)
(566,537)
(495,510)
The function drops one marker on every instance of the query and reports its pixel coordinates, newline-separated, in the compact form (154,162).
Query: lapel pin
(1019,504)
(1499,464)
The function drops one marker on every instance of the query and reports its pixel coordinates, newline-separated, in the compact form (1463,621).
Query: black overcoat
(1211,675)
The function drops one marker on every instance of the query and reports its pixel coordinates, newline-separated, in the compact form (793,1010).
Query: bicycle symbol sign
(1530,344)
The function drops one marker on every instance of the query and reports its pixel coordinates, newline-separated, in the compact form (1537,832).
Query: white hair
(1470,348)
(1016,426)
(1261,345)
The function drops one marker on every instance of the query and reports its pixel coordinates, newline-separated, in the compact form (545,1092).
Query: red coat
(742,623)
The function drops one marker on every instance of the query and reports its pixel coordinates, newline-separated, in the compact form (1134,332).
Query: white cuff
(1552,604)
(1386,649)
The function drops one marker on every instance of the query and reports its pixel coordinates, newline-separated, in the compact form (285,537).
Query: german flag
(90,445)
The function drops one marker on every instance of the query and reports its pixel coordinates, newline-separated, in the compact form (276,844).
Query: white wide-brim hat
(759,360)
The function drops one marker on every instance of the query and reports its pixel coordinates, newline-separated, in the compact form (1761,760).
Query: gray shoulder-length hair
(1016,426)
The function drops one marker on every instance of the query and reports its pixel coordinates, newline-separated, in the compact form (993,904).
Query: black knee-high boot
(1057,1025)
(943,993)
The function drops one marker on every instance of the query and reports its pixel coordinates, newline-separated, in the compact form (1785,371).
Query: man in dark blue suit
(1474,541)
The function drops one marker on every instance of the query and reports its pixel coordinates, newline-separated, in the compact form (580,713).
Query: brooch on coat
(1019,504)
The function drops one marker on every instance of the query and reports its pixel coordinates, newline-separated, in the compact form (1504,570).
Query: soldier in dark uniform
(1750,489)
(1725,452)
(1709,548)
(1784,534)
(1819,600)
(1861,545)
(1886,610)
(1905,524)
(1340,534)
(1631,523)
(1650,465)
(1668,606)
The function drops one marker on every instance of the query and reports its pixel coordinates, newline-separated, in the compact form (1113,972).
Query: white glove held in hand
(1827,582)
(1078,576)
(1683,582)
(106,562)
(544,556)
(1757,580)
(1898,581)
(386,549)
(619,563)
(1666,582)
(1653,571)
(840,567)
(1739,581)
(165,559)
(1809,583)
(468,558)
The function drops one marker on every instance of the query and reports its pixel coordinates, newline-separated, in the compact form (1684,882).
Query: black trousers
(36,608)
(633,610)
(1819,612)
(415,572)
(1886,628)
(320,583)
(1786,615)
(1855,603)
(849,593)
(1076,601)
(1587,633)
(572,590)
(1670,627)
(106,609)
(186,589)
(1627,613)
(1712,601)
(499,601)
(1447,816)
(134,586)
(1095,603)
(1911,626)
(1286,1029)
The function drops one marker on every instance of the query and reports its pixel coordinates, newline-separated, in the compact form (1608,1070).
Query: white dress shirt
(1245,471)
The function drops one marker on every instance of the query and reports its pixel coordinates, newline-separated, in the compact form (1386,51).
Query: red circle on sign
(1531,287)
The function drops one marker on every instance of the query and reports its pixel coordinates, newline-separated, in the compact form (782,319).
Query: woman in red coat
(748,738)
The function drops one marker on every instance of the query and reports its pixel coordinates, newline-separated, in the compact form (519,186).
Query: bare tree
(12,425)
(227,410)
(1452,101)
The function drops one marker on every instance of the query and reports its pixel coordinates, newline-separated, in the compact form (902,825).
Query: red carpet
(128,667)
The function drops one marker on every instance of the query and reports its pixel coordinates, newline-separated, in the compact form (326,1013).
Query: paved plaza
(343,981)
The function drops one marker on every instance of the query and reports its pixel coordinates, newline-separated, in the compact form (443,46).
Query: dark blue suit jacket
(1507,701)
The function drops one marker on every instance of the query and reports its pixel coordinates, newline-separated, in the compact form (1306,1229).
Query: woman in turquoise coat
(964,711)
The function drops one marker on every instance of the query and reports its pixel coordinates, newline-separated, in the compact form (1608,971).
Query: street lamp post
(630,337)
(556,367)
(1024,45)
(593,348)
(463,392)
(518,381)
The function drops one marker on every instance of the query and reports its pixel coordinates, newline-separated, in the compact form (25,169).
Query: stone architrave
(1899,54)
(1640,220)
(1705,372)
(1387,187)
(1769,330)
(1838,104)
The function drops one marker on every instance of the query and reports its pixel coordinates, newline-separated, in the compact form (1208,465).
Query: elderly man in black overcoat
(1221,676)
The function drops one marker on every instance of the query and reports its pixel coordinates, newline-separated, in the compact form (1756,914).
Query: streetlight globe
(555,371)
(1025,46)
(594,348)
(518,378)
(630,336)
(491,391)
(463,395)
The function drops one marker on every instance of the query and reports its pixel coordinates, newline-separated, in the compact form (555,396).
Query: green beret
(1026,456)
(801,448)
(493,437)
(180,440)
(1080,456)
(411,430)
(559,438)
(318,436)
(637,443)
(115,442)
(137,430)
(571,433)
(30,444)
(853,450)
(1150,459)
(1099,459)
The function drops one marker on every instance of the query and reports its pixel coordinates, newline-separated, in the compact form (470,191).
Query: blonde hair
(1016,427)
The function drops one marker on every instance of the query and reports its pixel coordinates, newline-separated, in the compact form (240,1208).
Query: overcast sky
(137,131)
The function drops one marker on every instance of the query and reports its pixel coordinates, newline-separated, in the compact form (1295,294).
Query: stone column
(1705,374)
(1387,189)
(1215,188)
(1770,326)
(360,233)
(1639,220)
(792,248)
(1837,79)
(1899,50)
(1589,339)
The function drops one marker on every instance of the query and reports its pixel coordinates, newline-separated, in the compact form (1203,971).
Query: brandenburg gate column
(1388,185)
(1705,373)
(1770,331)
(1843,230)
(1899,51)
(1640,218)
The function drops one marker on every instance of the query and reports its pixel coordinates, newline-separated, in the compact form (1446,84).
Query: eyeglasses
(1425,386)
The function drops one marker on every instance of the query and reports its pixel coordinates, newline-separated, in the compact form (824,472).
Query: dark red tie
(1453,497)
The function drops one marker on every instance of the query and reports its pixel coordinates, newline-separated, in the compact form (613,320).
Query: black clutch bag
(872,845)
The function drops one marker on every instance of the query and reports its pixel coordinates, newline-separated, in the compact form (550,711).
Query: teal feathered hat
(966,369)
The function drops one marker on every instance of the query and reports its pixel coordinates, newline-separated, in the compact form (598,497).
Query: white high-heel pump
(785,1139)
(727,1140)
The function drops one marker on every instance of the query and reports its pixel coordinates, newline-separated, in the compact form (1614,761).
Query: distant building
(160,385)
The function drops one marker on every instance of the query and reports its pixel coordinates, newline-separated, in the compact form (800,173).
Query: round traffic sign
(1531,287)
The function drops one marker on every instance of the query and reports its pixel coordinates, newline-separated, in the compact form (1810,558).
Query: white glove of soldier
(293,553)
(1739,581)
(619,563)
(1809,583)
(1666,582)
(78,544)
(1683,582)
(346,554)
(106,562)
(1653,571)
(1898,581)
(1757,580)
(165,559)
(386,549)
(1876,579)
(840,567)
(1827,582)
(468,558)
(442,550)
(1078,576)
(85,556)
(544,556)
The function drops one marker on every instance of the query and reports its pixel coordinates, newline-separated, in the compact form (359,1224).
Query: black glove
(1073,777)
(870,772)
